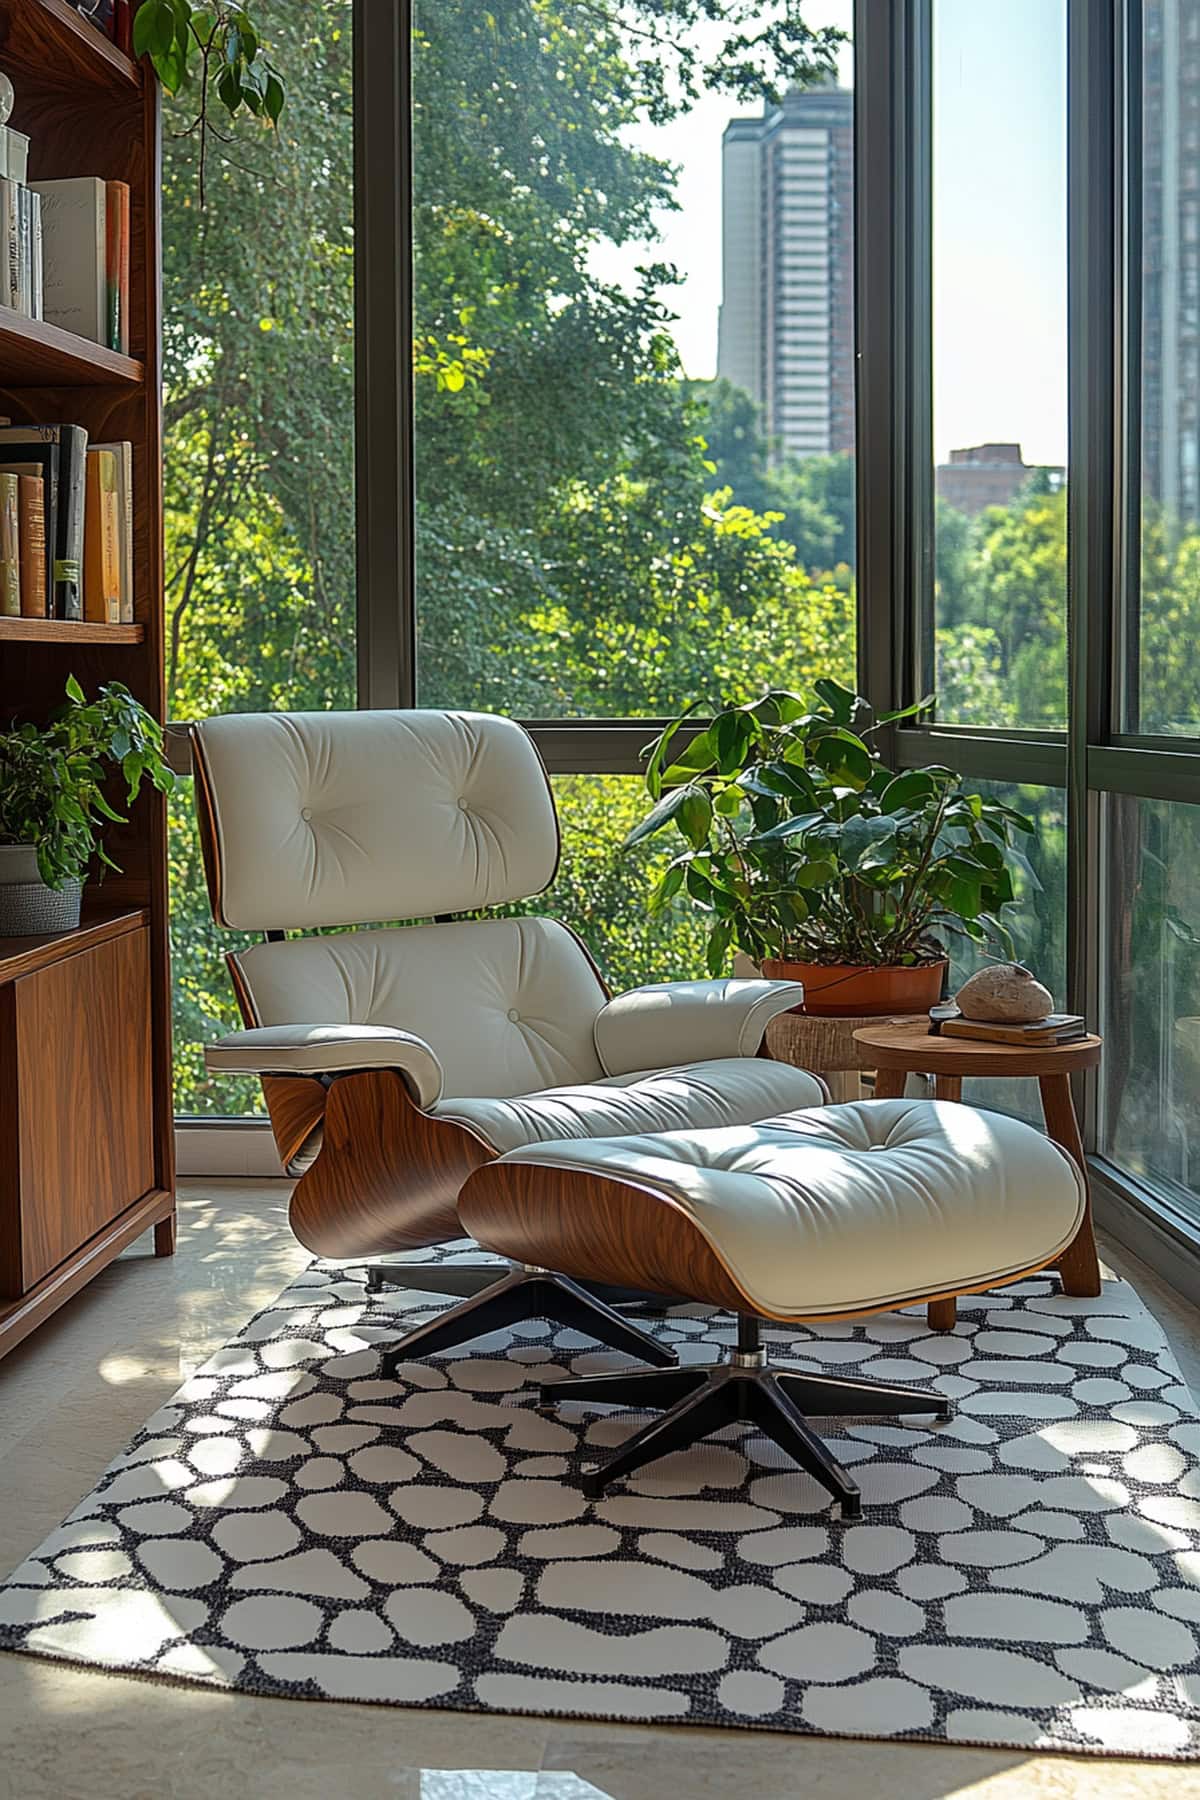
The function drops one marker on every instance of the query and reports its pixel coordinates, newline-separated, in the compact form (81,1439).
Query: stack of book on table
(1056,1028)
(66,525)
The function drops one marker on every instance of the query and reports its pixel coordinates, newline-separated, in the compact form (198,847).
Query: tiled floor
(78,1390)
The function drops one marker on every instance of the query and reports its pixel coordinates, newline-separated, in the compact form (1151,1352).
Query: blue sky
(999,222)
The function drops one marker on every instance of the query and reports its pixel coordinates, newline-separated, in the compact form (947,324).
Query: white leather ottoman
(825,1213)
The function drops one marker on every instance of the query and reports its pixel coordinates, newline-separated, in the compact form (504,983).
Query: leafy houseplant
(52,803)
(814,858)
(219,44)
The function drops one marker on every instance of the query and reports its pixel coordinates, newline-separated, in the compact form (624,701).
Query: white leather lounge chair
(397,1059)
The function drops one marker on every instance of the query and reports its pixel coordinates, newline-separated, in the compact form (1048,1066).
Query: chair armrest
(673,1022)
(328,1050)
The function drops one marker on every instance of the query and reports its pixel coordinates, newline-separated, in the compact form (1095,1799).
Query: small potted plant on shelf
(822,864)
(52,802)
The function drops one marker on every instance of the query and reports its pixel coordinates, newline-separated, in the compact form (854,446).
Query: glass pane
(204,1004)
(259,439)
(1151,1068)
(1037,922)
(602,894)
(634,433)
(1000,362)
(1162,688)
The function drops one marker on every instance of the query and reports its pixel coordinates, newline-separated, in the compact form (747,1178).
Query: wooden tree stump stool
(896,1049)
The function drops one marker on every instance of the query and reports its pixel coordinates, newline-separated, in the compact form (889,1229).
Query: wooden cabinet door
(76,1093)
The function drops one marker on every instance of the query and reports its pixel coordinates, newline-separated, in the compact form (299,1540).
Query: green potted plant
(52,803)
(818,861)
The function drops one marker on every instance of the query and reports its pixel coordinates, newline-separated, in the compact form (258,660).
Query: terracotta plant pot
(858,990)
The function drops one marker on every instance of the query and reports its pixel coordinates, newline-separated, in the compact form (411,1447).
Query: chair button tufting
(306,812)
(462,803)
(513,1015)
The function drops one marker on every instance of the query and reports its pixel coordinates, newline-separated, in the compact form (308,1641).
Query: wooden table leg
(1078,1265)
(164,1235)
(889,1084)
(948,1087)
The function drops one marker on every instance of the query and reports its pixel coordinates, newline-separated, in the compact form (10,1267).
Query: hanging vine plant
(217,47)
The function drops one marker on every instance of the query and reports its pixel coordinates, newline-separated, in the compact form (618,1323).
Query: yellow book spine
(101,541)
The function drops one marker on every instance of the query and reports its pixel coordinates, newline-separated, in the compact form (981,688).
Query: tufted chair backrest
(332,819)
(350,818)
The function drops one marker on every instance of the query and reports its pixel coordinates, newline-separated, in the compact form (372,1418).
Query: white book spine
(14,154)
(10,243)
(25,258)
(37,297)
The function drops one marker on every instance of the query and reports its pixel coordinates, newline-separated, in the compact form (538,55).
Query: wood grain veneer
(155,1210)
(387,1176)
(76,1110)
(295,1106)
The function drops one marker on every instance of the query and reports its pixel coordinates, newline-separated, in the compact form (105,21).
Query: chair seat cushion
(846,1208)
(731,1091)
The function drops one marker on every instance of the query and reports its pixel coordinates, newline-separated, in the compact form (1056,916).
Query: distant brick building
(985,475)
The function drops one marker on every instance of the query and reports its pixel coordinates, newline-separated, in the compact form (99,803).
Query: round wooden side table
(898,1049)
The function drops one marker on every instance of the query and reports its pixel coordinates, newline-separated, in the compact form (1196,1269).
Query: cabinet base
(19,1317)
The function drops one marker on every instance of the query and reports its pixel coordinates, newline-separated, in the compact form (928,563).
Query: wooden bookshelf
(86,1120)
(31,350)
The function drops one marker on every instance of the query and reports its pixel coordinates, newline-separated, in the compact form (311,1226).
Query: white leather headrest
(351,818)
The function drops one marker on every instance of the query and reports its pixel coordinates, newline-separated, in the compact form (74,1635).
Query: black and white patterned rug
(1027,1574)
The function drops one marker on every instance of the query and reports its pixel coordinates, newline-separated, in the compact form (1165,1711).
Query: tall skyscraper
(786,331)
(1170,223)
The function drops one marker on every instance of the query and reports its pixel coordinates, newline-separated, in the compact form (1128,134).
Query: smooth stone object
(1006,993)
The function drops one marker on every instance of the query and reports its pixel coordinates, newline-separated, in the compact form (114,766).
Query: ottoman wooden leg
(1078,1266)
(943,1314)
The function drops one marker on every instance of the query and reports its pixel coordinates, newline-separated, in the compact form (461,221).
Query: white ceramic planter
(28,908)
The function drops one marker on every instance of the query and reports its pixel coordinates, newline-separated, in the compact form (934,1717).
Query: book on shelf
(61,450)
(123,456)
(75,255)
(116,268)
(102,540)
(38,462)
(32,528)
(1056,1028)
(10,548)
(56,488)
